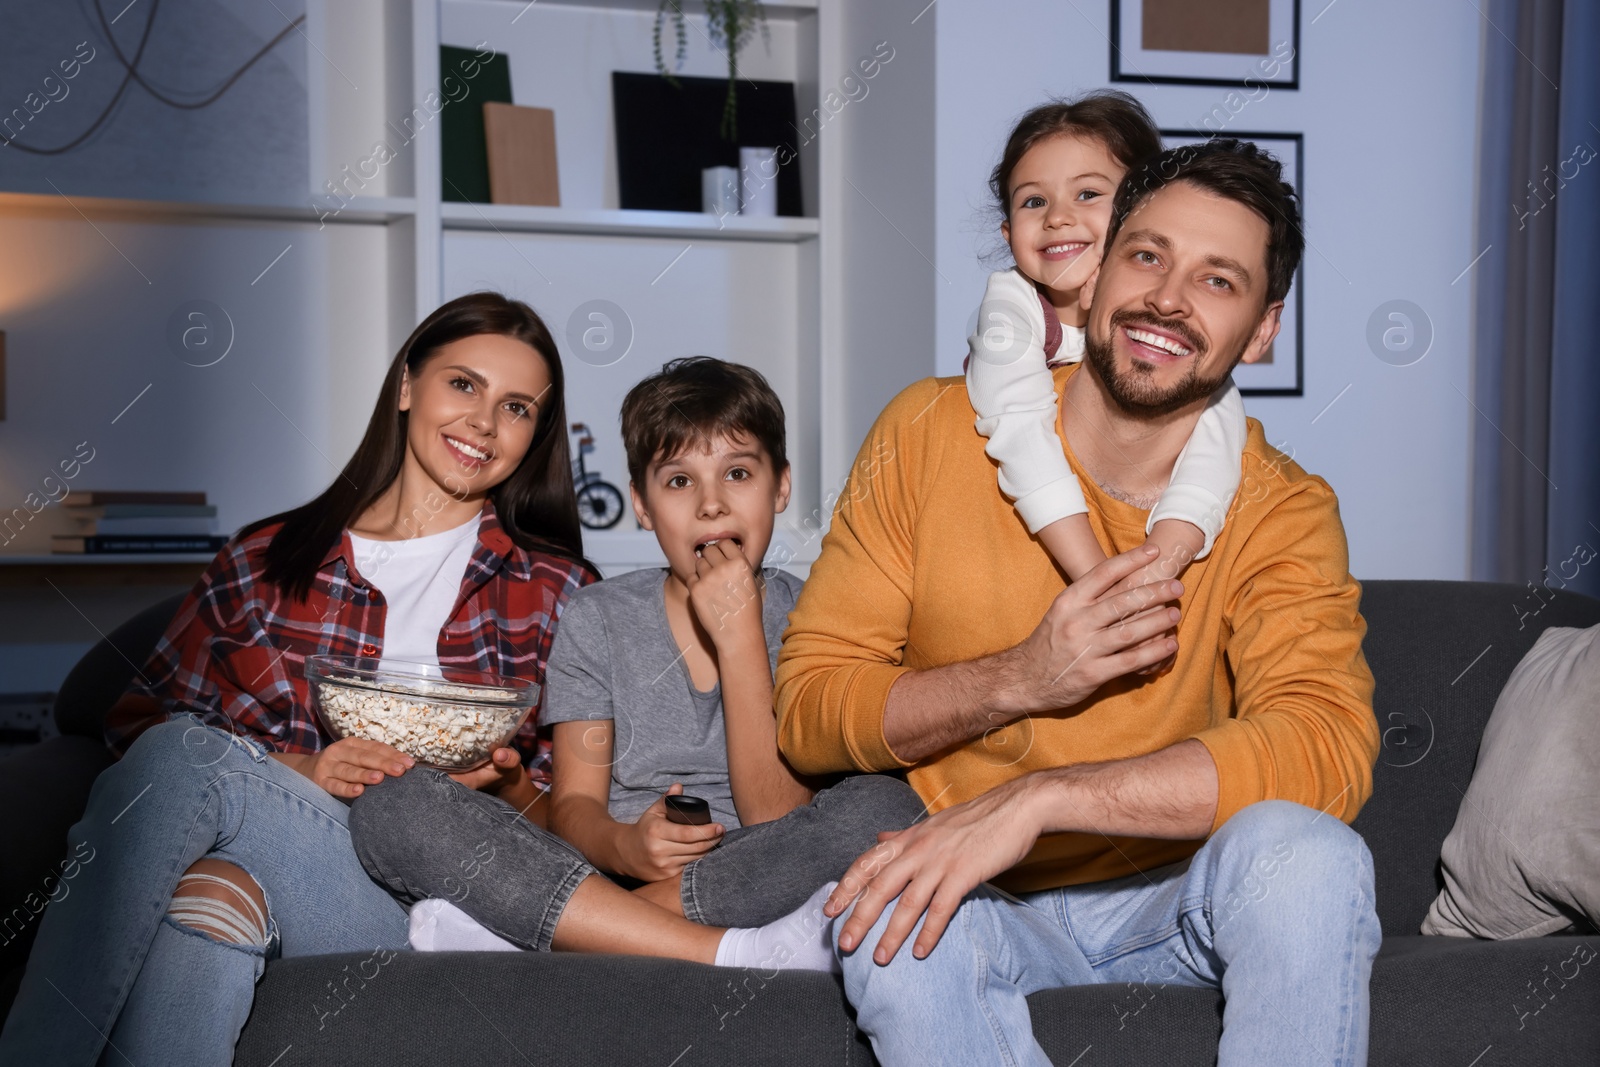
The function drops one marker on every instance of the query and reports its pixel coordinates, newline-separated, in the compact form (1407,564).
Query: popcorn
(441,732)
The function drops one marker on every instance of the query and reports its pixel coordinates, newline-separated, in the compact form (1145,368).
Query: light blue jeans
(1276,909)
(108,967)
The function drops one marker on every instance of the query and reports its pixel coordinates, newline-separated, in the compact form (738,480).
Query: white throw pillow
(1526,843)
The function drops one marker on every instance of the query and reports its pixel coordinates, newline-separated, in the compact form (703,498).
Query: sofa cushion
(427,1008)
(1449,1000)
(99,677)
(1440,653)
(1435,1000)
(1524,857)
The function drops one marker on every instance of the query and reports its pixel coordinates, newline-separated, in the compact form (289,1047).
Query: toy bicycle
(599,502)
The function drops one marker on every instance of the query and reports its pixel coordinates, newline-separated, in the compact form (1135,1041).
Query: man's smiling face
(1180,298)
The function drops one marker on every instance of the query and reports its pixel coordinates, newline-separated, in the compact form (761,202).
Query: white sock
(800,941)
(440,926)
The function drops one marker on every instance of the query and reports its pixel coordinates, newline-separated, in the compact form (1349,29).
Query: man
(1172,827)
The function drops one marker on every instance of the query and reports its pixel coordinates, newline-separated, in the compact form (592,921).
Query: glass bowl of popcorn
(446,718)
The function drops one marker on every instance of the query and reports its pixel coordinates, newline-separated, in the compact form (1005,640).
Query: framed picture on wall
(1253,44)
(1282,371)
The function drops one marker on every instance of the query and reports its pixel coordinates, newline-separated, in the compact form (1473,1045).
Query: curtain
(1536,437)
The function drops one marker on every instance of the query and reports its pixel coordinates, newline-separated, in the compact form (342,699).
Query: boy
(659,682)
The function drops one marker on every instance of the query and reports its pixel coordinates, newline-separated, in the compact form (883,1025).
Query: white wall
(1388,106)
(249,146)
(86,310)
(887,135)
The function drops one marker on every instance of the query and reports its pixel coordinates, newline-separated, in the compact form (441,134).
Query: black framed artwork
(1253,44)
(1282,371)
(667,133)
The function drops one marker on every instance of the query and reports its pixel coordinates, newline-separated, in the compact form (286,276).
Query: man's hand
(725,595)
(350,764)
(655,847)
(1090,635)
(931,867)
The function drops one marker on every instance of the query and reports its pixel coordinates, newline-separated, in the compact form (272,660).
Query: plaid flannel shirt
(234,654)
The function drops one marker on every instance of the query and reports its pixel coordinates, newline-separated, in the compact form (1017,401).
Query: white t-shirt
(420,579)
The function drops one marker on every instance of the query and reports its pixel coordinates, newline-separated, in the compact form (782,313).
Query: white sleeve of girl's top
(1014,394)
(1206,475)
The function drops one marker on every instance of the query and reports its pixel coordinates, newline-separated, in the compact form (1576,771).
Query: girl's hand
(655,848)
(725,595)
(1178,542)
(346,767)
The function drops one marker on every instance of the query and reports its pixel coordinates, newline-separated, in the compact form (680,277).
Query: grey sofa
(1441,652)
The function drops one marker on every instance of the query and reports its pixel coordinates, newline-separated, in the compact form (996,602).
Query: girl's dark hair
(1235,170)
(536,503)
(1109,116)
(691,400)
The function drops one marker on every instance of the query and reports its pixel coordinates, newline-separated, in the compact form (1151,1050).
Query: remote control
(690,811)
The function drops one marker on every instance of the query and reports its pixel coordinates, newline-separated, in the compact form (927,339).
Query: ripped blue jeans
(109,968)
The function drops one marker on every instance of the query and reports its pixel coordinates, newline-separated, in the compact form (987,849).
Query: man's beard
(1135,391)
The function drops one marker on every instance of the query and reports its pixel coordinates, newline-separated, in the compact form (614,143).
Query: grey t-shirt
(614,657)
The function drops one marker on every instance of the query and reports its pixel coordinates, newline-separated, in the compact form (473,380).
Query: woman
(219,839)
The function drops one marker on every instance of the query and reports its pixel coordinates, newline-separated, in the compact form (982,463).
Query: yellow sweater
(926,563)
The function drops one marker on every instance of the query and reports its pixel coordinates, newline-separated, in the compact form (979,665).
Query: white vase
(758,181)
(719,191)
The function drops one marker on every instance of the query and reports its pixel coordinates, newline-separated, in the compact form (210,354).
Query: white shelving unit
(768,292)
(752,290)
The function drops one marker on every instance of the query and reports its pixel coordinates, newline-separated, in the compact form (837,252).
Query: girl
(221,838)
(1055,184)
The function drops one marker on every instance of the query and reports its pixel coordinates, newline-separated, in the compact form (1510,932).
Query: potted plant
(729,24)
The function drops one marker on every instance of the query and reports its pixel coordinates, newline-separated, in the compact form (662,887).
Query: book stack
(133,522)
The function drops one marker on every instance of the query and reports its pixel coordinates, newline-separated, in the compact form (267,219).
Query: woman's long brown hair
(536,503)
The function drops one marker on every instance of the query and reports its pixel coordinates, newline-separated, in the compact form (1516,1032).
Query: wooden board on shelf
(362,209)
(521,143)
(44,570)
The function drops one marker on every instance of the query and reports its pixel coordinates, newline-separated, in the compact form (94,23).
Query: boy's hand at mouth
(655,847)
(726,595)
